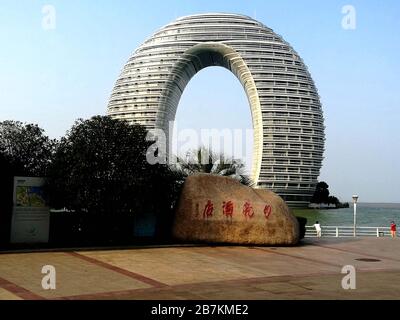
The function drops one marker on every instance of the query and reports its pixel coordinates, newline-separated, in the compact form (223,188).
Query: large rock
(217,209)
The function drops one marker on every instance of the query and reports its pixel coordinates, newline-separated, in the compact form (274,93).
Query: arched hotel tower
(286,111)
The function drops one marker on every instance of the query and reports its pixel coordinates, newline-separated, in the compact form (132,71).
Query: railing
(340,232)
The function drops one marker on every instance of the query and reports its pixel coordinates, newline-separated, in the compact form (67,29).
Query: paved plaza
(309,271)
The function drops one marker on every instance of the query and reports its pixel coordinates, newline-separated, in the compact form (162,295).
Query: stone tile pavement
(309,271)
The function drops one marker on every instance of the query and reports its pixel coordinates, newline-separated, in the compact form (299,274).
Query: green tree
(321,194)
(100,171)
(333,200)
(26,148)
(202,160)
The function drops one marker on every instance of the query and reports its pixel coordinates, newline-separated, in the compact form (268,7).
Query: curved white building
(286,111)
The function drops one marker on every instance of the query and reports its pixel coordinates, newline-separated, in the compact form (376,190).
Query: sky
(53,76)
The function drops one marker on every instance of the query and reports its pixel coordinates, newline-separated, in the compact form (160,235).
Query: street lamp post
(355,199)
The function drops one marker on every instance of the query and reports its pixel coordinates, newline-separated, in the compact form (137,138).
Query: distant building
(286,110)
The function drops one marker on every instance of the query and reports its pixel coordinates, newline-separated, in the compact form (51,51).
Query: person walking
(393,229)
(317,227)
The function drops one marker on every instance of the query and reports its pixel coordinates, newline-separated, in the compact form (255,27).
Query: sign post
(31,217)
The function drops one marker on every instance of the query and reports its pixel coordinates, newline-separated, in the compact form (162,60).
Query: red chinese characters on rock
(208,210)
(227,209)
(248,210)
(267,211)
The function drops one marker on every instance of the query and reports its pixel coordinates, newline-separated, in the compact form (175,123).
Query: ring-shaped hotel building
(286,111)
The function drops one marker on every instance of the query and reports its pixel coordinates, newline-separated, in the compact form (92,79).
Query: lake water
(368,215)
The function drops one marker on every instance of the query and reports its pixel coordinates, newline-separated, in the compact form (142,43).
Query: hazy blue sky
(53,77)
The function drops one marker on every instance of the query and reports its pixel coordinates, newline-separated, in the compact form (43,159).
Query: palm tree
(206,161)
